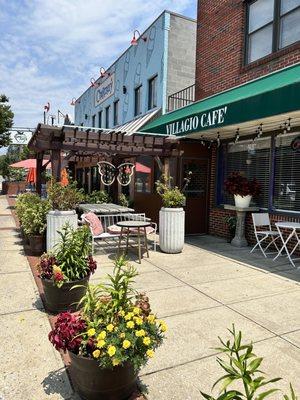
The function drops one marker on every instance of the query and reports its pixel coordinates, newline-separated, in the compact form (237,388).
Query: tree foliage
(6,121)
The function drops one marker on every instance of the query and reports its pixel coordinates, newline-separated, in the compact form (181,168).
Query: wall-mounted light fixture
(93,83)
(73,102)
(134,40)
(103,72)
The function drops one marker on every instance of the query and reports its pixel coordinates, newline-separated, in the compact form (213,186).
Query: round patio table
(134,227)
(293,228)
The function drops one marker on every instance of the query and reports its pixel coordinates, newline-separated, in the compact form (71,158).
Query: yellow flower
(96,353)
(56,269)
(138,320)
(122,335)
(110,327)
(129,316)
(130,324)
(122,313)
(115,362)
(136,310)
(116,329)
(101,336)
(151,318)
(91,332)
(101,343)
(140,333)
(150,353)
(126,344)
(146,341)
(163,326)
(111,350)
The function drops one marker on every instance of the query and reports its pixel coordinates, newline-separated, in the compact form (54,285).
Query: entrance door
(196,210)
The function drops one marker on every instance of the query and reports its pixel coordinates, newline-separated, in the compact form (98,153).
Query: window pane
(253,160)
(287,5)
(287,177)
(260,14)
(143,172)
(260,43)
(290,28)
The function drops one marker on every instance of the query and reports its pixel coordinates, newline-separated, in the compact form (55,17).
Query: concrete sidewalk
(30,369)
(200,293)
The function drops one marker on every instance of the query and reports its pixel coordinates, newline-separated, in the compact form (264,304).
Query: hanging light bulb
(237,135)
(285,128)
(218,140)
(289,125)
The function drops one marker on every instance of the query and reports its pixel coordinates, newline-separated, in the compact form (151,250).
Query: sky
(49,50)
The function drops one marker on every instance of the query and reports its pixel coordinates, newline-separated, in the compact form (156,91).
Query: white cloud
(49,50)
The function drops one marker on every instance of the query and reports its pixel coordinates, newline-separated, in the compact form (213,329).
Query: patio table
(294,228)
(105,208)
(127,226)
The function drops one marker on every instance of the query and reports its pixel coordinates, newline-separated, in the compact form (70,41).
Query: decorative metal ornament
(108,173)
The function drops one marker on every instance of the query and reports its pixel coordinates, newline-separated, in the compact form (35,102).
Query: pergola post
(56,164)
(39,171)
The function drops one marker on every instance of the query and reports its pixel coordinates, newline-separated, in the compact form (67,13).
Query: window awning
(258,101)
(136,124)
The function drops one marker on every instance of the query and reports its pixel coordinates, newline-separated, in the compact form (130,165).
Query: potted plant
(33,221)
(24,201)
(66,271)
(64,200)
(171,216)
(243,378)
(111,337)
(242,188)
(97,197)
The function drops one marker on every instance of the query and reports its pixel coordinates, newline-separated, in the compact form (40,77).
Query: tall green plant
(64,198)
(97,197)
(242,369)
(34,217)
(172,197)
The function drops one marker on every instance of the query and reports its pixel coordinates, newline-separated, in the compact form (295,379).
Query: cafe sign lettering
(105,90)
(198,122)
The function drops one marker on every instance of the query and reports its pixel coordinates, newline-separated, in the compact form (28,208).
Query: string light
(218,139)
(285,128)
(289,125)
(237,135)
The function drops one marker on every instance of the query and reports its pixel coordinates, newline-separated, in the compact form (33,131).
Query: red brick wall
(220,49)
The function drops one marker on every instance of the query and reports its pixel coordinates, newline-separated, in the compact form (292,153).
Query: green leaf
(265,394)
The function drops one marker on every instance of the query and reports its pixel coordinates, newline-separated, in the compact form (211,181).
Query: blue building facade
(140,80)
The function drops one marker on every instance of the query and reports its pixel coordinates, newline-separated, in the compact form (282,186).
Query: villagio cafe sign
(105,90)
(197,122)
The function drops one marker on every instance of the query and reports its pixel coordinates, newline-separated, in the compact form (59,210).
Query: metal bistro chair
(263,220)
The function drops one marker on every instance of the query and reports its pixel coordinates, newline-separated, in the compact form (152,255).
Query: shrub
(64,198)
(32,212)
(97,197)
(24,201)
(237,184)
(123,200)
(171,197)
(118,326)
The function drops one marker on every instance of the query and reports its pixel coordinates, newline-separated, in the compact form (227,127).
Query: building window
(100,119)
(138,100)
(143,174)
(107,109)
(93,121)
(152,93)
(116,112)
(287,176)
(272,25)
(95,178)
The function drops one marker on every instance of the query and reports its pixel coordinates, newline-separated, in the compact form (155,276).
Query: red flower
(92,264)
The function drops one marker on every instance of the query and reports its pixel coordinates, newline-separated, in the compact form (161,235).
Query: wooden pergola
(74,143)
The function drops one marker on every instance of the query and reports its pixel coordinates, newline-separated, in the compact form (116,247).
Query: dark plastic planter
(36,243)
(94,383)
(63,298)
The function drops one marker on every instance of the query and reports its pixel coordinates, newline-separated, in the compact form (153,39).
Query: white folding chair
(262,220)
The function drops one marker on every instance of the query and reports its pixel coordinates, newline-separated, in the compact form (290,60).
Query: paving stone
(12,261)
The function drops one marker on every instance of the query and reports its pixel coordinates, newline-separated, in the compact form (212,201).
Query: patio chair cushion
(94,223)
(149,230)
(115,230)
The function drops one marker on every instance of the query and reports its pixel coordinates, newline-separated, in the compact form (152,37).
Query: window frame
(94,120)
(107,115)
(151,104)
(100,119)
(138,110)
(276,30)
(116,112)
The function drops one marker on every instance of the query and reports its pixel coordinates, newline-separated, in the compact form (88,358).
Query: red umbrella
(29,163)
(31,176)
(142,168)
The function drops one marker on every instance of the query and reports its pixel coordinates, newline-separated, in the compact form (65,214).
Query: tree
(6,121)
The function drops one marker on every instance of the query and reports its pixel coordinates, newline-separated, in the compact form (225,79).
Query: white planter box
(55,221)
(171,230)
(242,201)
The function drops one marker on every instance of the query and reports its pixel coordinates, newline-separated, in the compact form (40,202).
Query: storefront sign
(295,145)
(105,90)
(20,137)
(203,120)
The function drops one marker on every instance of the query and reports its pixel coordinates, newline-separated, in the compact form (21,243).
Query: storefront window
(287,173)
(143,174)
(252,158)
(95,179)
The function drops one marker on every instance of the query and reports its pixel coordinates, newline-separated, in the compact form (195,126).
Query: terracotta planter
(242,201)
(36,243)
(63,298)
(94,383)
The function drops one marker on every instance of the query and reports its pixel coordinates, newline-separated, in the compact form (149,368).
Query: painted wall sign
(295,145)
(105,90)
(197,122)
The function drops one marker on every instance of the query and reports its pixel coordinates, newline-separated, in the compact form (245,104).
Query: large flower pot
(55,221)
(242,201)
(58,299)
(171,229)
(94,383)
(36,243)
